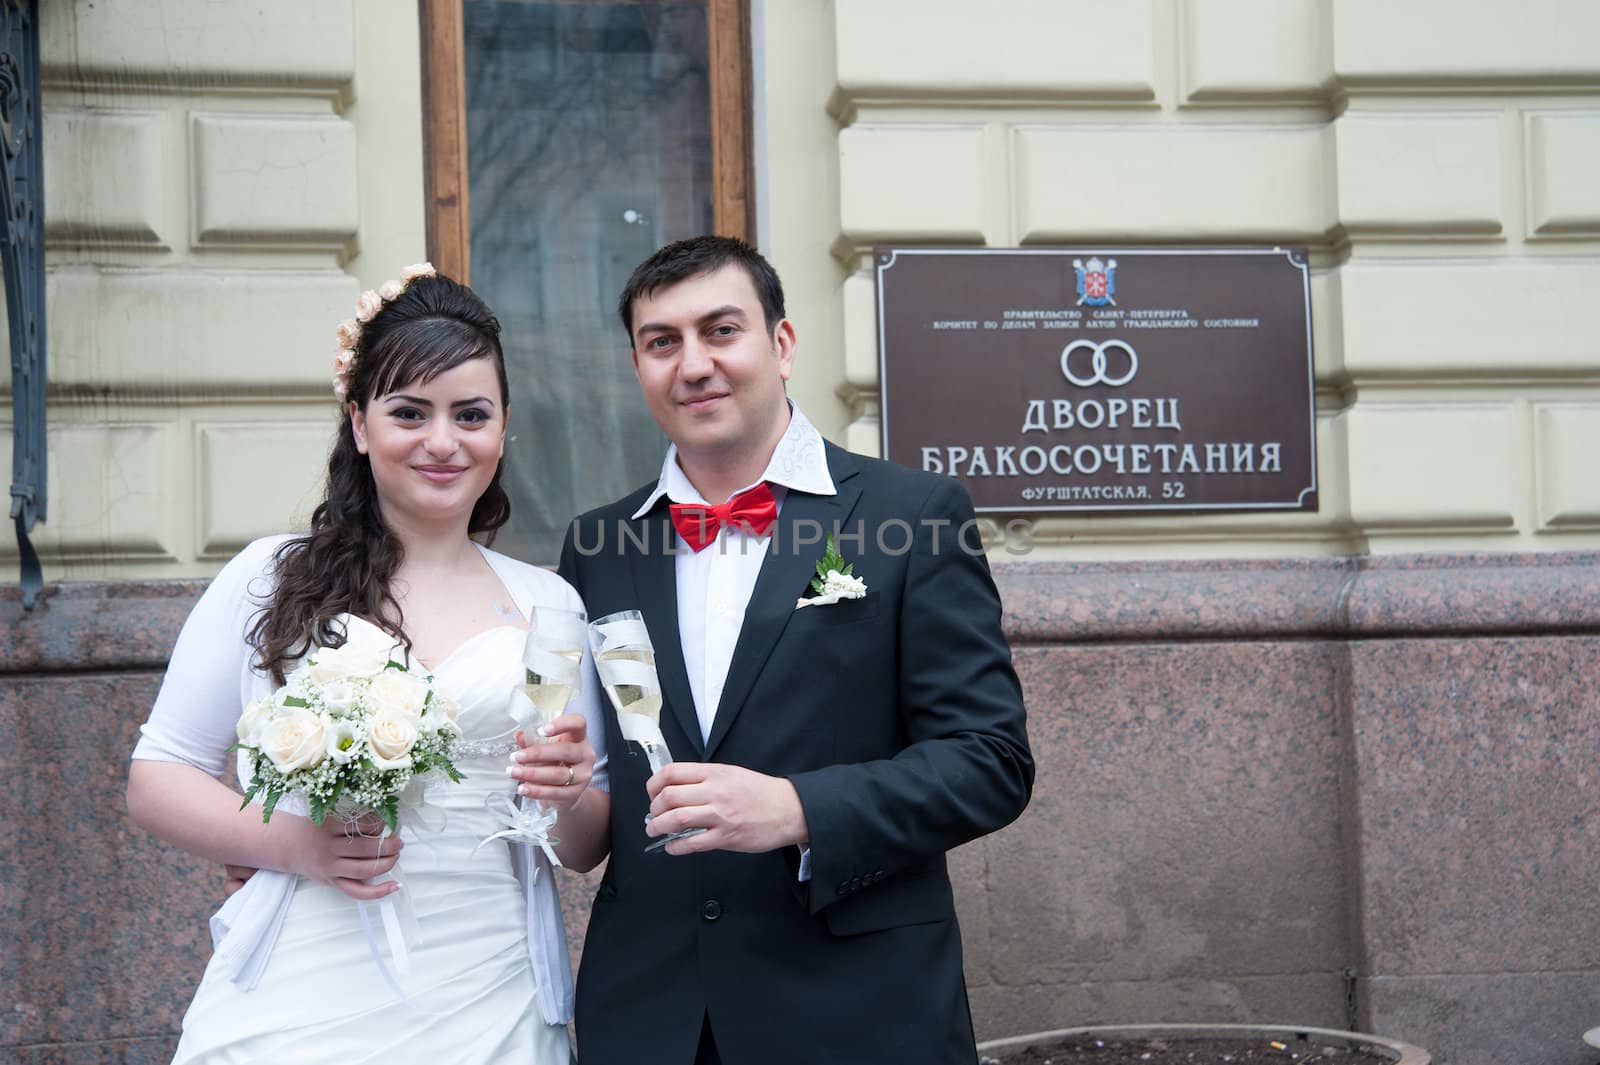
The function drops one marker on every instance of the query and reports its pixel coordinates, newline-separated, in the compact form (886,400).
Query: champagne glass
(626,662)
(551,660)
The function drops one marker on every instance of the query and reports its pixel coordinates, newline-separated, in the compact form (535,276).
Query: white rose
(837,584)
(416,270)
(338,696)
(390,290)
(256,715)
(342,742)
(391,735)
(325,668)
(293,739)
(356,658)
(399,692)
(441,715)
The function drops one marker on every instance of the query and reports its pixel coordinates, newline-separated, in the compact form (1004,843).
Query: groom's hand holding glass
(739,809)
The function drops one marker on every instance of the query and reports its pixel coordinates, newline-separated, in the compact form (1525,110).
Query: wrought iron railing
(22,257)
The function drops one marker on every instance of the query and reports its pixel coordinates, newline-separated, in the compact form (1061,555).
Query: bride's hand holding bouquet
(350,730)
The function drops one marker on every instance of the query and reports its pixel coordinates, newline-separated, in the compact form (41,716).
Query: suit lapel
(655,577)
(783,579)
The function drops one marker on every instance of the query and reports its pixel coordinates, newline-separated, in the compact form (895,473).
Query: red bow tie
(753,509)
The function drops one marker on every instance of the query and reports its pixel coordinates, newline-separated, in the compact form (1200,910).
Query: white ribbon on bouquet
(400,930)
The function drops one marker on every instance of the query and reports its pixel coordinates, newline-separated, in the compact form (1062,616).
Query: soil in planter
(1180,1051)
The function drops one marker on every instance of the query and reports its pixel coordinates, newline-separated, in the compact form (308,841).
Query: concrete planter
(1399,1053)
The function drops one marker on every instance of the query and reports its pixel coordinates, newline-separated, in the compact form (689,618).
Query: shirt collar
(798,463)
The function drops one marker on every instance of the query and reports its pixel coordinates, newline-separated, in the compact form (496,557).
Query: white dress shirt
(714,584)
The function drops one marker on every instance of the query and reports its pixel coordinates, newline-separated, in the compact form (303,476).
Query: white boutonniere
(833,581)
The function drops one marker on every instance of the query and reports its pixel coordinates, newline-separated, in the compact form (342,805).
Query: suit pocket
(912,899)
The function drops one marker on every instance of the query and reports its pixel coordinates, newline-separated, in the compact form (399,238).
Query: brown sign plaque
(1100,379)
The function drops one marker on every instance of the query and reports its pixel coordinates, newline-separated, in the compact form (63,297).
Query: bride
(302,970)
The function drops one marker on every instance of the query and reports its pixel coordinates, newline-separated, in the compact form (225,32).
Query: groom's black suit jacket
(899,720)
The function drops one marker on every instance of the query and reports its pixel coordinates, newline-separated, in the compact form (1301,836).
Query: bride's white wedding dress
(292,978)
(470,994)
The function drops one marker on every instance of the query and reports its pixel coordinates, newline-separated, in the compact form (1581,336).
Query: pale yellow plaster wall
(1439,158)
(222,178)
(219,189)
(387,115)
(798,179)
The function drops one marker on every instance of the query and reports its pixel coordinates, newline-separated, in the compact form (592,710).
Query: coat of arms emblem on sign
(1097,282)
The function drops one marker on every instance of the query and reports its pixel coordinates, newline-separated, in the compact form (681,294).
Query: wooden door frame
(732,140)
(444,128)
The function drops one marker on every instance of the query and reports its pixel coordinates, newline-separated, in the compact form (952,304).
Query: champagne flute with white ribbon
(626,661)
(552,658)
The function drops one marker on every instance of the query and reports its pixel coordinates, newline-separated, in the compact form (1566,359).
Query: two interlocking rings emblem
(1100,369)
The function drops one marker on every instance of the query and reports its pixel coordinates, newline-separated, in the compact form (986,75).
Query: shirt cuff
(805,865)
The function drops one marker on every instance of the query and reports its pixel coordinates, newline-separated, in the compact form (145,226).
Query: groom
(832,753)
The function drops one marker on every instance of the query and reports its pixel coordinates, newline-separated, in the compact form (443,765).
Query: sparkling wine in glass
(626,662)
(551,660)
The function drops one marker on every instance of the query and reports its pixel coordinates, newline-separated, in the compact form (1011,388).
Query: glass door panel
(589,145)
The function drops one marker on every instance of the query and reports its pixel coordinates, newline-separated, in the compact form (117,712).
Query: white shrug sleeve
(209,678)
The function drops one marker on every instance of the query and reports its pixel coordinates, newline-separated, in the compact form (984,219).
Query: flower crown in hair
(368,304)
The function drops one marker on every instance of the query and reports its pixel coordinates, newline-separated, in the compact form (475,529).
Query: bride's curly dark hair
(347,560)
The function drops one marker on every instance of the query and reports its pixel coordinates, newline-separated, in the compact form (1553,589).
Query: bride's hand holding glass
(556,763)
(556,760)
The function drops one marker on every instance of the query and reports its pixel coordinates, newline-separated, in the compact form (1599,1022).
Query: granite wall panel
(104,927)
(1182,855)
(1253,778)
(1476,776)
(1185,823)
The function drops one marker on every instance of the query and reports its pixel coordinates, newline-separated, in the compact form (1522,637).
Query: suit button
(711,909)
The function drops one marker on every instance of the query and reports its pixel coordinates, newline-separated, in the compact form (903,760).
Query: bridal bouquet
(349,729)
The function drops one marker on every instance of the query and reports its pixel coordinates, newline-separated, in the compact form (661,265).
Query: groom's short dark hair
(694,257)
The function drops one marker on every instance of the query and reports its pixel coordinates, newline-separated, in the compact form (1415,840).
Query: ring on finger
(572,775)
